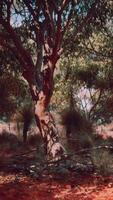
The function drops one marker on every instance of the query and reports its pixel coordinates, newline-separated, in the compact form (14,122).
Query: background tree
(86,68)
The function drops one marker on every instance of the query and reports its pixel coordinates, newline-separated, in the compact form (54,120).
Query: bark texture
(44,119)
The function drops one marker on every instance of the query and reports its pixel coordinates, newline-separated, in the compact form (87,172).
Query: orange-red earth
(13,187)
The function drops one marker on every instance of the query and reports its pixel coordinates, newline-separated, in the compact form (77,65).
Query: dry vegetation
(24,173)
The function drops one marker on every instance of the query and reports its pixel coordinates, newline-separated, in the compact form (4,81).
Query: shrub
(102,161)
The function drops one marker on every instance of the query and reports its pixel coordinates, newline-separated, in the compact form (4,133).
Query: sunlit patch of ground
(76,188)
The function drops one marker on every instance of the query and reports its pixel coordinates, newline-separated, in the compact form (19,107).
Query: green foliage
(87,63)
(74,119)
(12,90)
(9,142)
(25,113)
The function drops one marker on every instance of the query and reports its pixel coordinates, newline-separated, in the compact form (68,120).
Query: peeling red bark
(48,35)
(44,119)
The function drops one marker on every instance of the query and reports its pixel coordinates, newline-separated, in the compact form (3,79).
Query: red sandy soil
(81,188)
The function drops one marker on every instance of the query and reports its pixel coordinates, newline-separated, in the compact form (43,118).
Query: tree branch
(8,10)
(4,43)
(64,4)
(96,103)
(17,42)
(48,13)
(54,5)
(69,19)
(87,17)
(33,13)
(58,35)
(60,32)
(48,23)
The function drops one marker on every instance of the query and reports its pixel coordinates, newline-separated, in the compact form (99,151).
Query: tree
(24,115)
(12,90)
(44,22)
(87,65)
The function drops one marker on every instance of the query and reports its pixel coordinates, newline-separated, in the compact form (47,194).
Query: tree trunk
(25,130)
(9,126)
(44,118)
(41,96)
(49,132)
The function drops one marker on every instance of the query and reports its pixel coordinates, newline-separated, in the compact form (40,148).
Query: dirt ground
(15,185)
(19,187)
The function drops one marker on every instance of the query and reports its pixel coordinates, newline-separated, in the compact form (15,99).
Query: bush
(9,141)
(102,161)
(78,130)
